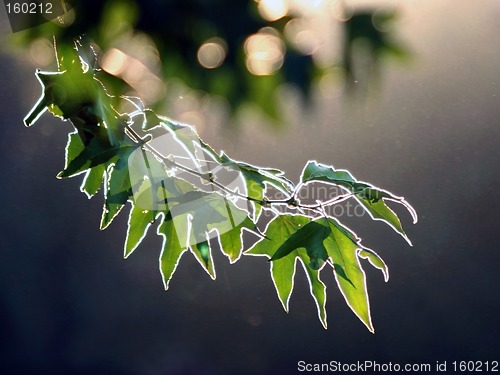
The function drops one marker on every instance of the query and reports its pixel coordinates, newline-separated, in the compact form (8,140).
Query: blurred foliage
(164,39)
(368,31)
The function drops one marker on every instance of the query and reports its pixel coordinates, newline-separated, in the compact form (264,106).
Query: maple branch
(292,201)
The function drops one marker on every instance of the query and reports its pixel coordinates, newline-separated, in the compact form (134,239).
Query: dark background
(69,303)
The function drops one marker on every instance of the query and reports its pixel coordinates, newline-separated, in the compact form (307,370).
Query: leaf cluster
(181,187)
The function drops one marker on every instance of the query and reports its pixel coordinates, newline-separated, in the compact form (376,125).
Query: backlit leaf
(171,251)
(93,180)
(350,277)
(94,175)
(118,190)
(371,198)
(256,179)
(231,242)
(277,232)
(95,153)
(375,260)
(309,237)
(138,224)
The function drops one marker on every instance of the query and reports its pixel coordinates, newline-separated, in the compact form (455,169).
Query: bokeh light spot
(114,61)
(133,71)
(273,10)
(212,53)
(303,36)
(41,52)
(264,51)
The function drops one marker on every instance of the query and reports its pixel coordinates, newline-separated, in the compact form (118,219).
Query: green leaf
(314,171)
(151,120)
(93,180)
(371,198)
(309,237)
(69,90)
(117,193)
(190,221)
(278,231)
(60,93)
(74,147)
(378,209)
(138,223)
(192,228)
(210,151)
(256,179)
(185,135)
(375,260)
(231,242)
(55,110)
(203,250)
(150,180)
(94,176)
(316,288)
(219,214)
(171,251)
(196,214)
(255,190)
(350,277)
(260,175)
(38,110)
(198,242)
(95,153)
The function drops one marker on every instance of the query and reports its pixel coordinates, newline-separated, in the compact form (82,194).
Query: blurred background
(404,94)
